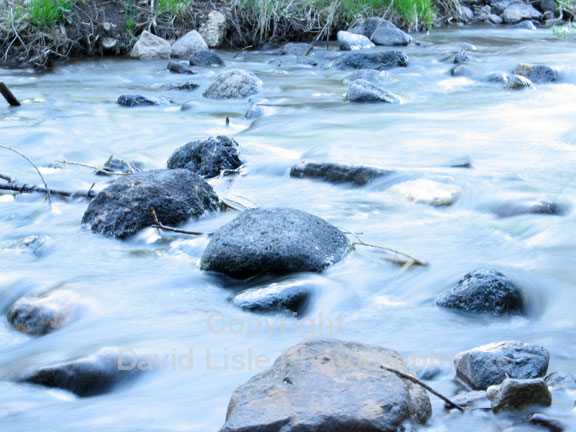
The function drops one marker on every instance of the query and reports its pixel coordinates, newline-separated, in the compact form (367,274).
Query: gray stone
(516,394)
(524,207)
(296,49)
(291,60)
(213,31)
(378,78)
(518,82)
(132,101)
(495,19)
(497,77)
(206,59)
(462,70)
(368,26)
(561,380)
(150,47)
(188,44)
(291,297)
(233,84)
(466,14)
(379,61)
(525,25)
(391,37)
(33,243)
(109,43)
(254,112)
(123,208)
(473,399)
(549,6)
(484,291)
(182,86)
(490,364)
(547,422)
(499,6)
(335,173)
(328,385)
(519,11)
(351,41)
(539,74)
(251,244)
(363,91)
(180,67)
(461,58)
(207,158)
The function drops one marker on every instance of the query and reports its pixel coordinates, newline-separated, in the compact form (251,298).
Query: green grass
(569,7)
(173,7)
(47,13)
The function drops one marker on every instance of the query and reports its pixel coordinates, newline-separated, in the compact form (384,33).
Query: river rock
(490,364)
(499,6)
(518,82)
(461,58)
(519,11)
(363,91)
(150,47)
(328,385)
(180,67)
(40,315)
(473,400)
(250,244)
(368,26)
(549,6)
(484,291)
(277,297)
(516,394)
(350,41)
(525,25)
(296,49)
(123,208)
(33,243)
(377,78)
(390,37)
(206,59)
(89,376)
(466,14)
(335,173)
(180,87)
(290,60)
(132,101)
(213,31)
(496,77)
(423,191)
(538,74)
(561,380)
(188,44)
(462,70)
(379,61)
(254,112)
(233,84)
(524,207)
(547,422)
(207,158)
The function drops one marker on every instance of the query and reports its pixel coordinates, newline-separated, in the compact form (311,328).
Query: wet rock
(547,422)
(123,208)
(466,14)
(497,7)
(277,297)
(497,77)
(363,91)
(328,385)
(40,315)
(350,41)
(516,394)
(519,11)
(335,173)
(206,59)
(188,44)
(525,25)
(233,84)
(150,47)
(462,70)
(461,58)
(207,158)
(379,61)
(368,26)
(538,74)
(137,101)
(32,243)
(517,208)
(377,78)
(494,19)
(518,82)
(180,67)
(484,291)
(381,32)
(561,380)
(473,400)
(249,245)
(490,364)
(89,376)
(254,112)
(109,43)
(117,165)
(296,49)
(549,6)
(213,31)
(183,86)
(291,60)
(429,192)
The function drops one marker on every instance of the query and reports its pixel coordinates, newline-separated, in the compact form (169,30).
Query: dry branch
(159,226)
(17,186)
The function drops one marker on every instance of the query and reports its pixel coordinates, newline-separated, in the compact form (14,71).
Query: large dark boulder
(207,158)
(89,376)
(484,291)
(123,208)
(330,386)
(361,91)
(490,364)
(379,61)
(233,84)
(276,241)
(335,173)
(206,59)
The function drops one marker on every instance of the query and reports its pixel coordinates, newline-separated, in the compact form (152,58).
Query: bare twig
(241,51)
(100,170)
(158,225)
(20,187)
(325,28)
(423,385)
(8,95)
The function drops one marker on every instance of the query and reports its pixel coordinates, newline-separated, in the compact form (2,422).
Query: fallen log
(8,95)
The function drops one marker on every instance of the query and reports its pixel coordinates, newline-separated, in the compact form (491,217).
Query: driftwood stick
(100,170)
(159,226)
(423,385)
(20,187)
(8,95)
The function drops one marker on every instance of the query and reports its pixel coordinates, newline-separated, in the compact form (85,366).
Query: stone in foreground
(234,84)
(328,385)
(350,41)
(378,61)
(149,47)
(491,364)
(335,173)
(517,394)
(363,91)
(274,241)
(207,158)
(188,44)
(484,291)
(123,208)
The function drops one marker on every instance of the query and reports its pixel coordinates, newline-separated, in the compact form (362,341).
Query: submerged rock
(484,291)
(429,192)
(335,173)
(254,112)
(206,59)
(496,77)
(377,78)
(350,41)
(292,60)
(364,91)
(296,49)
(276,297)
(207,158)
(561,380)
(40,315)
(516,394)
(473,400)
(518,82)
(491,364)
(182,86)
(188,44)
(117,165)
(275,241)
(123,208)
(379,61)
(525,25)
(180,67)
(461,58)
(234,84)
(520,207)
(136,101)
(328,385)
(89,376)
(150,47)
(538,74)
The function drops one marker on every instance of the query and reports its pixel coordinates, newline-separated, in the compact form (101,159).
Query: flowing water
(147,294)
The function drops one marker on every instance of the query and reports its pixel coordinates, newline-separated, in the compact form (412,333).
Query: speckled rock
(233,84)
(379,61)
(350,41)
(188,44)
(516,394)
(150,47)
(363,91)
